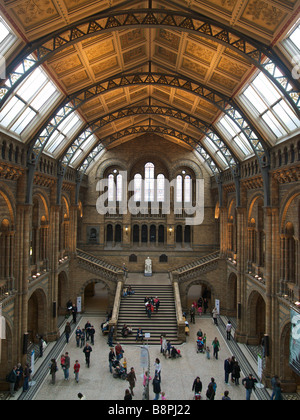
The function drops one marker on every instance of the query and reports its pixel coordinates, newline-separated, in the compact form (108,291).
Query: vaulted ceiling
(122,67)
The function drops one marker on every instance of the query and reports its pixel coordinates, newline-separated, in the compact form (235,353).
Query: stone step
(132,312)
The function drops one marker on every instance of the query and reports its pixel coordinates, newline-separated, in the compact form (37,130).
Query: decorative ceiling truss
(203,127)
(173,81)
(149,129)
(255,52)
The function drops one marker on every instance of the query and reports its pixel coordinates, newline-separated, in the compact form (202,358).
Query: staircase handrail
(206,259)
(100,263)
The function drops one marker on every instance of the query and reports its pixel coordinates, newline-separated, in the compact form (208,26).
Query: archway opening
(36,316)
(96,298)
(201,294)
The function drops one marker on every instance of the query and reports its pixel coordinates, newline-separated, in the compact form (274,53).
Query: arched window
(187,189)
(119,188)
(179,185)
(160,188)
(138,188)
(111,188)
(149,182)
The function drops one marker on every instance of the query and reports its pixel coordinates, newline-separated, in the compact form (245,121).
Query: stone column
(241,227)
(270,275)
(54,253)
(22,272)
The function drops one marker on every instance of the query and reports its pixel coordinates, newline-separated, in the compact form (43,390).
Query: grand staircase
(132,312)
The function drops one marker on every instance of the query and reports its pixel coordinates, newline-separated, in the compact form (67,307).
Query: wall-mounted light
(170,230)
(126,230)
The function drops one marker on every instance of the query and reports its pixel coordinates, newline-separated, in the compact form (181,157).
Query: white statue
(148,267)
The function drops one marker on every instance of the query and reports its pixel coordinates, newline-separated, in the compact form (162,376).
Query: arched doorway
(199,289)
(37,312)
(96,297)
(256,319)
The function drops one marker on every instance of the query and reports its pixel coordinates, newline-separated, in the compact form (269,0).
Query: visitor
(111,358)
(274,381)
(131,378)
(236,373)
(87,351)
(12,379)
(226,396)
(78,336)
(67,331)
(76,370)
(53,370)
(127,395)
(207,352)
(156,387)
(216,347)
(92,334)
(119,351)
(157,367)
(228,330)
(197,386)
(215,316)
(67,366)
(192,314)
(74,313)
(249,384)
(227,369)
(210,393)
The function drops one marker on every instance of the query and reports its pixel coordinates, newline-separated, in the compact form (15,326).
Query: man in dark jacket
(12,379)
(156,387)
(87,351)
(249,384)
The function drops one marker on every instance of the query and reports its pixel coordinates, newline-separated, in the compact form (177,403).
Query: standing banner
(295,342)
(79,304)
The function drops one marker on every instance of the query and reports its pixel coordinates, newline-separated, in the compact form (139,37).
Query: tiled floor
(96,382)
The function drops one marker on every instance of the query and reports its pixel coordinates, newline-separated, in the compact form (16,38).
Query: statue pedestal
(146,274)
(148,268)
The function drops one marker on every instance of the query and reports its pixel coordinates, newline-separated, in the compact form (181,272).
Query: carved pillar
(271,277)
(241,226)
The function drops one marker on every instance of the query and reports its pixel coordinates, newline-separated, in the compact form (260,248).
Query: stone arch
(256,318)
(291,202)
(196,170)
(206,289)
(7,209)
(43,200)
(37,315)
(138,166)
(288,378)
(87,291)
(104,166)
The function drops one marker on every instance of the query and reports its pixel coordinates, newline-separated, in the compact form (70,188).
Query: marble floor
(96,382)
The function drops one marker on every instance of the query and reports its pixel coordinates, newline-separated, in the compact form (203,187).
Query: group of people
(18,377)
(199,308)
(151,304)
(128,291)
(83,335)
(232,367)
(167,349)
(65,363)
